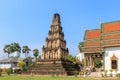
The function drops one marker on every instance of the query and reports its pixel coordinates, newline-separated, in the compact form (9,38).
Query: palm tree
(35,53)
(7,49)
(26,50)
(16,48)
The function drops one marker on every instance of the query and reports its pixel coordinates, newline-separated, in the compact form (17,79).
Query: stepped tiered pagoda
(55,48)
(54,54)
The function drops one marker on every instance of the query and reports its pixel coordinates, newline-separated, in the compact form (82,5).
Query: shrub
(8,71)
(118,75)
(105,71)
(98,63)
(82,72)
(76,73)
(21,64)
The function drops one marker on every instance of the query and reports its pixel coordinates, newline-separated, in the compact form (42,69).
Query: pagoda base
(53,67)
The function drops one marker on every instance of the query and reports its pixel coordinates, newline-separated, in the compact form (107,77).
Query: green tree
(39,57)
(71,58)
(35,53)
(16,47)
(26,50)
(11,48)
(21,64)
(9,71)
(30,61)
(80,46)
(7,49)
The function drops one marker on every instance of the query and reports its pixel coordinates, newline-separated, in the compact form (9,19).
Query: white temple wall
(109,52)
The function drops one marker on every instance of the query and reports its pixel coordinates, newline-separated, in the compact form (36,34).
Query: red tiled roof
(93,34)
(95,43)
(110,33)
(111,43)
(113,36)
(109,37)
(113,26)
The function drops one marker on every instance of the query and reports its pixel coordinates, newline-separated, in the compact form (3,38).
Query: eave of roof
(12,59)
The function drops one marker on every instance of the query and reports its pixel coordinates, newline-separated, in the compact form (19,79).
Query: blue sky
(27,22)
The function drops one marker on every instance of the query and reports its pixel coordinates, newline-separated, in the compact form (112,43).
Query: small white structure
(80,56)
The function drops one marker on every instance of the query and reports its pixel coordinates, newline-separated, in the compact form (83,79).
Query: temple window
(114,62)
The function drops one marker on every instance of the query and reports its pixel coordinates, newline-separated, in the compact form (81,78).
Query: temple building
(103,44)
(55,48)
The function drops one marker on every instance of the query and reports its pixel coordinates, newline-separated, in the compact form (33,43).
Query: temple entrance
(91,58)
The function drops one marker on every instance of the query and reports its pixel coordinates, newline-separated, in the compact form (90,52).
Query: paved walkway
(94,74)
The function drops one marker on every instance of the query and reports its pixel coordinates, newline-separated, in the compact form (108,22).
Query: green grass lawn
(50,78)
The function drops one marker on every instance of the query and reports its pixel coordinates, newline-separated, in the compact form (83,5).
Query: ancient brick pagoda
(54,54)
(55,44)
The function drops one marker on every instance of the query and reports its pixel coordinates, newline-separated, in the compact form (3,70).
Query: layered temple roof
(111,34)
(92,40)
(92,34)
(107,36)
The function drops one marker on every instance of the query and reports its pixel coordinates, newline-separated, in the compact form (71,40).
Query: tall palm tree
(26,50)
(7,49)
(35,53)
(16,48)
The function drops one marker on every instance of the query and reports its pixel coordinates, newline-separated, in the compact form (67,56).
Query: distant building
(12,62)
(103,44)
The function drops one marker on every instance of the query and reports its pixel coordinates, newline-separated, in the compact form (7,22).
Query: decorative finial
(56,19)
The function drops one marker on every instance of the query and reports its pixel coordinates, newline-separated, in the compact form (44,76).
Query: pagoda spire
(56,19)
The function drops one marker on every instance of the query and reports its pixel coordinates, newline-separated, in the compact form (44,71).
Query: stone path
(94,74)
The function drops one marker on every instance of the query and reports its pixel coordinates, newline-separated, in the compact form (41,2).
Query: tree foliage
(16,47)
(36,53)
(39,57)
(81,44)
(7,49)
(11,48)
(71,58)
(9,71)
(98,63)
(26,50)
(21,64)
